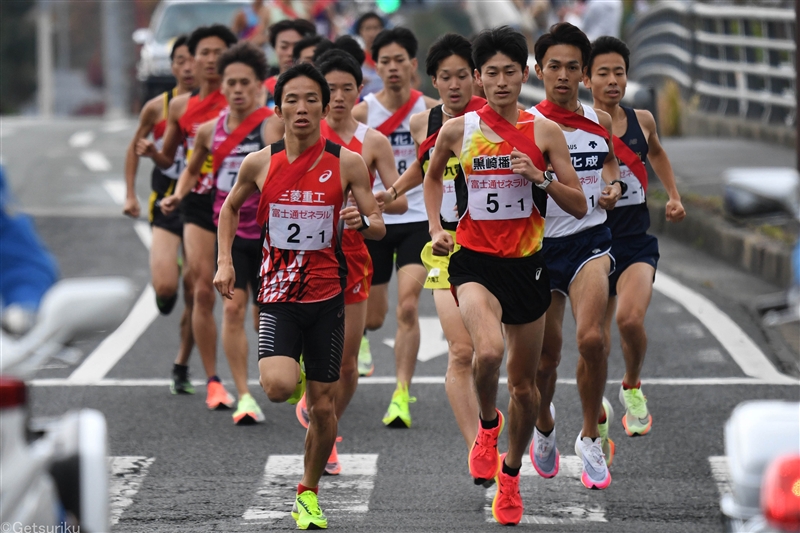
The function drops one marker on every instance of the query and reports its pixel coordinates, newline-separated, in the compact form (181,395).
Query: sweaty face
(183,67)
(502,79)
(344,93)
(394,66)
(301,106)
(206,55)
(454,82)
(370,29)
(284,45)
(240,86)
(562,72)
(608,79)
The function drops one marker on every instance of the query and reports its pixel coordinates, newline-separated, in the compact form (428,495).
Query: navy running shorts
(641,248)
(566,256)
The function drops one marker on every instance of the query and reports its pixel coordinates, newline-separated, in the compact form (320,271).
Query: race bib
(449,212)
(502,197)
(300,227)
(635,194)
(226,177)
(591,183)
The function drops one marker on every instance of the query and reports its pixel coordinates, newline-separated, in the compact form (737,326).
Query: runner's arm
(384,164)
(433,185)
(566,191)
(147,120)
(172,136)
(356,176)
(202,147)
(611,193)
(663,168)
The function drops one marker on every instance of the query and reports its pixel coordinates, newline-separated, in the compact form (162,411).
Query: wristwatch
(622,185)
(364,223)
(548,178)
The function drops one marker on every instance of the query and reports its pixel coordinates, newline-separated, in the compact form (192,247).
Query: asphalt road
(177,467)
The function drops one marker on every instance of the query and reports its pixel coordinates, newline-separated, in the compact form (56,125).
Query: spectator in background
(595,17)
(367,27)
(250,23)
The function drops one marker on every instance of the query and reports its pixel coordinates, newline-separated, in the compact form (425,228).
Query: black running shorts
(406,240)
(198,209)
(246,255)
(522,285)
(314,329)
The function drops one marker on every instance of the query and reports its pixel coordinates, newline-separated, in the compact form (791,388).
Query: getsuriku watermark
(19,527)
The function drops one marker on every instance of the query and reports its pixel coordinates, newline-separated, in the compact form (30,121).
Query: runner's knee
(591,341)
(630,324)
(322,410)
(232,312)
(490,354)
(278,390)
(523,391)
(407,313)
(460,355)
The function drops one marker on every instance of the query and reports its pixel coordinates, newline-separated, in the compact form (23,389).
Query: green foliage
(17,54)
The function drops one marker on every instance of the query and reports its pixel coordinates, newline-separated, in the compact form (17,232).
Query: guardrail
(736,61)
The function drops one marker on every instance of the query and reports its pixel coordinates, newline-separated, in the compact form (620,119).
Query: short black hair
(305,42)
(563,33)
(309,71)
(341,61)
(365,17)
(180,40)
(399,35)
(608,45)
(351,46)
(204,32)
(501,40)
(301,26)
(450,44)
(247,53)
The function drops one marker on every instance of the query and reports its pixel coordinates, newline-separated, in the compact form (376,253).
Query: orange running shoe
(484,459)
(217,397)
(507,505)
(333,467)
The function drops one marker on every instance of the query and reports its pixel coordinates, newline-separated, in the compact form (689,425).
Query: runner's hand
(384,199)
(675,211)
(145,148)
(224,280)
(609,197)
(132,208)
(442,243)
(169,204)
(521,164)
(351,217)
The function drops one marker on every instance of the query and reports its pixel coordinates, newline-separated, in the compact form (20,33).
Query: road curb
(711,233)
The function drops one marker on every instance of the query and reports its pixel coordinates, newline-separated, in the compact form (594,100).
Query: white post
(116,91)
(44,51)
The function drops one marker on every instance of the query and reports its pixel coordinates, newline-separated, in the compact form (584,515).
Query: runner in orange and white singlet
(497,276)
(304,180)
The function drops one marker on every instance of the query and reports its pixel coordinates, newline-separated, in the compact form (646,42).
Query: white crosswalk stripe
(127,474)
(556,501)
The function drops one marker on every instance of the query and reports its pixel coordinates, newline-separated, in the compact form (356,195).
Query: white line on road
(144,232)
(347,493)
(742,349)
(116,190)
(115,126)
(81,139)
(127,474)
(430,331)
(95,161)
(418,380)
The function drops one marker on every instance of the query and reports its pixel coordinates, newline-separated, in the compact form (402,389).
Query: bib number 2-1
(293,227)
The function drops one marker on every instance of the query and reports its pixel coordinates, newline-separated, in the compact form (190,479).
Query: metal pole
(796,85)
(44,59)
(113,61)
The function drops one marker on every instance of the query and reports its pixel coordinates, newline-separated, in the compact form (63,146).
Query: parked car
(171,19)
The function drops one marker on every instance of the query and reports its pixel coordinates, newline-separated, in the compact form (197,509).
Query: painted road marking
(710,355)
(95,161)
(116,190)
(545,499)
(347,494)
(691,331)
(81,139)
(127,474)
(116,126)
(418,380)
(430,331)
(741,348)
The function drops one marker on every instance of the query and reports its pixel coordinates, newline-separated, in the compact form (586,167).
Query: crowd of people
(298,195)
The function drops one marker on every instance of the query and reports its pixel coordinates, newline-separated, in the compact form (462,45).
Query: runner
(251,22)
(577,253)
(497,276)
(449,64)
(165,269)
(304,49)
(186,114)
(388,111)
(343,75)
(636,253)
(367,27)
(304,180)
(283,36)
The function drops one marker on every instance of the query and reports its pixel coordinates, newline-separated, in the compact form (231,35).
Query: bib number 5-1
(504,197)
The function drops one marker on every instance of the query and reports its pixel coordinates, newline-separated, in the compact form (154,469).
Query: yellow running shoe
(607,444)
(306,512)
(247,411)
(398,415)
(300,389)
(637,420)
(365,365)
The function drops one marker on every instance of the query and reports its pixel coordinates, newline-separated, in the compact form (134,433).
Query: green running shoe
(365,365)
(180,383)
(607,444)
(300,389)
(398,415)
(637,420)
(247,412)
(306,512)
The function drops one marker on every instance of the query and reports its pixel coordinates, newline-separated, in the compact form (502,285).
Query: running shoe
(333,467)
(595,473)
(166,305)
(365,365)
(543,450)
(484,459)
(217,397)
(637,420)
(608,444)
(302,412)
(180,383)
(247,411)
(398,415)
(507,504)
(300,388)
(306,512)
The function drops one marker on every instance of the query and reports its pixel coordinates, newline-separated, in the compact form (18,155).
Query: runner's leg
(234,338)
(355,315)
(410,280)
(164,269)
(634,290)
(322,428)
(200,253)
(547,372)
